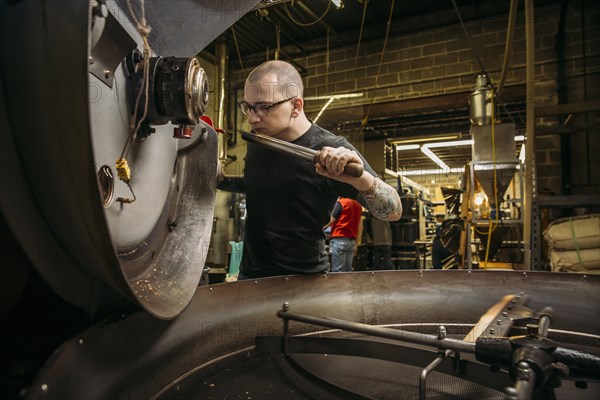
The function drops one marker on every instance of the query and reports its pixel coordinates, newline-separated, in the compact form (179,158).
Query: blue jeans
(342,253)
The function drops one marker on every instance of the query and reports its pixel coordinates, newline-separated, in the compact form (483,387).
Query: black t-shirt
(287,205)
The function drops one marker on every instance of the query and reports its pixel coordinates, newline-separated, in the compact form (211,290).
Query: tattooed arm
(381,199)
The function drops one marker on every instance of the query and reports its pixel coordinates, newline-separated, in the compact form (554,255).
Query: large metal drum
(212,341)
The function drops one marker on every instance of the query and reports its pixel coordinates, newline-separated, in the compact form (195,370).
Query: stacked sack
(574,244)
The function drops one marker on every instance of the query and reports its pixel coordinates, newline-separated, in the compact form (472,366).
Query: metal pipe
(313,15)
(525,382)
(562,91)
(280,145)
(377,331)
(512,17)
(545,320)
(423,376)
(352,169)
(222,58)
(530,176)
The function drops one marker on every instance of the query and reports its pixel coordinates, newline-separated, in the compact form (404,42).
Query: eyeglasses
(262,110)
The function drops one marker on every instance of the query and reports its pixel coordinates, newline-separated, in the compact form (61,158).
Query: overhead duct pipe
(510,31)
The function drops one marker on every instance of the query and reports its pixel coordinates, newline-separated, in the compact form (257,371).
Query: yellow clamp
(123,170)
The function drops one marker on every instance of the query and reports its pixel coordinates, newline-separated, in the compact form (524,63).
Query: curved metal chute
(61,125)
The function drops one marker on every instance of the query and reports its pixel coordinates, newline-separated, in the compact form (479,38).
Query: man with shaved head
(288,199)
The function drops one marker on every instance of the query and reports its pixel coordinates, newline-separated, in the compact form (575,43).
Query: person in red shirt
(346,232)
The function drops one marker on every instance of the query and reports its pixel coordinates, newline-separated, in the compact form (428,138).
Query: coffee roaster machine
(125,209)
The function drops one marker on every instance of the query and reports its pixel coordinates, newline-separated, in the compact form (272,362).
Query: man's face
(271,105)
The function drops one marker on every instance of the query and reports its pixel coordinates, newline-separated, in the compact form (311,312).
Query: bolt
(504,314)
(91,60)
(492,331)
(80,341)
(441,332)
(107,74)
(44,387)
(286,306)
(499,322)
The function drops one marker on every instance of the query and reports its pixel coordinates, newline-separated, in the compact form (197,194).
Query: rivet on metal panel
(210,289)
(256,282)
(44,387)
(80,342)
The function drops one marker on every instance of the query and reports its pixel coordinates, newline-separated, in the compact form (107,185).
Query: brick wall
(440,61)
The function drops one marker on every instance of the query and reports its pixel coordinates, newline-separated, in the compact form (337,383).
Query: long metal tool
(351,169)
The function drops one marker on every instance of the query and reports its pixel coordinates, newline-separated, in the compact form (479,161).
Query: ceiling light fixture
(434,158)
(431,172)
(330,100)
(467,142)
(400,145)
(426,139)
(338,3)
(407,147)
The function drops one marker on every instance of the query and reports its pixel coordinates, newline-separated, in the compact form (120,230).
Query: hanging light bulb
(479,198)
